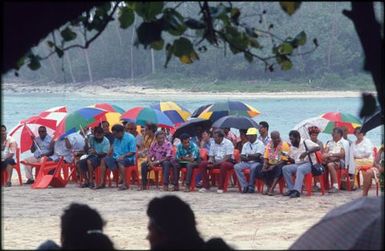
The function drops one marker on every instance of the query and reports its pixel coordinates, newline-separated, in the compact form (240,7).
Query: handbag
(317,169)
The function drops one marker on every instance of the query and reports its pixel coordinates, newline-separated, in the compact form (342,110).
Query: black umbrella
(199,110)
(373,121)
(356,225)
(192,127)
(235,121)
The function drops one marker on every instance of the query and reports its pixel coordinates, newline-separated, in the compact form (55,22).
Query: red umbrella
(24,130)
(53,109)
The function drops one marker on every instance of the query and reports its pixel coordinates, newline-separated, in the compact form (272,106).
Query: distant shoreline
(122,91)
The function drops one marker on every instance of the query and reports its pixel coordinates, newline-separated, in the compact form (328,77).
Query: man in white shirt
(251,158)
(220,155)
(299,156)
(347,143)
(334,156)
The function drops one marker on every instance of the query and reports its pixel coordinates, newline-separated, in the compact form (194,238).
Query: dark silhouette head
(77,223)
(172,224)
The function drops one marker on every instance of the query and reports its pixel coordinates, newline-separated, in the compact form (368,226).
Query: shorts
(112,163)
(95,162)
(6,162)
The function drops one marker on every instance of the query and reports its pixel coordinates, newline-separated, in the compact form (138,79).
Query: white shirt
(346,144)
(219,151)
(7,149)
(295,152)
(77,141)
(363,150)
(334,147)
(252,148)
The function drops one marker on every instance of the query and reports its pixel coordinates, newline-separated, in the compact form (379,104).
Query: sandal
(101,186)
(270,193)
(84,185)
(141,188)
(9,184)
(122,187)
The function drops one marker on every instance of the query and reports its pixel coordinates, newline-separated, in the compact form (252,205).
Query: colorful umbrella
(235,121)
(175,112)
(109,107)
(147,115)
(77,120)
(112,115)
(221,109)
(199,110)
(340,119)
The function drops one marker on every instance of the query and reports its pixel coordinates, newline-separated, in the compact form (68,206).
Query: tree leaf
(182,46)
(301,38)
(50,44)
(290,7)
(248,56)
(235,14)
(148,10)
(285,48)
(149,32)
(169,52)
(34,62)
(157,45)
(173,22)
(284,62)
(20,62)
(59,52)
(126,17)
(315,42)
(67,34)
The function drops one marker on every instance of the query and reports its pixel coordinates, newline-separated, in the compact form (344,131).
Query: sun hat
(251,131)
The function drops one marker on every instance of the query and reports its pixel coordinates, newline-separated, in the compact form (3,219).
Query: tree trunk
(88,65)
(67,55)
(369,33)
(332,37)
(132,51)
(152,62)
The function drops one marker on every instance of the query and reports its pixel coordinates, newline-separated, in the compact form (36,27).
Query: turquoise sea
(281,114)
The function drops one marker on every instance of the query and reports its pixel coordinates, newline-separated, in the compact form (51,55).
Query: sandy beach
(245,221)
(117,88)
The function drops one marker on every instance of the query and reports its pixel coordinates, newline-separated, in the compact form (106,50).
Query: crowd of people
(266,155)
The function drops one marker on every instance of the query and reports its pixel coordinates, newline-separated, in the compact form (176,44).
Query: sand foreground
(245,221)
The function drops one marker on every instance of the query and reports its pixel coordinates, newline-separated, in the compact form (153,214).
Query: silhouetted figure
(81,228)
(172,226)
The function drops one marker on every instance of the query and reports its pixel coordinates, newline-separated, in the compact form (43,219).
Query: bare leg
(122,177)
(274,183)
(102,173)
(333,173)
(89,175)
(368,176)
(9,171)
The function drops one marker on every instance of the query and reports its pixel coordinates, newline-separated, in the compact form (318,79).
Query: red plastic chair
(16,167)
(45,179)
(215,173)
(132,172)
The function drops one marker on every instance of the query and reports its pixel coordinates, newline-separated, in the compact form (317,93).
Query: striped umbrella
(112,115)
(146,115)
(339,119)
(77,120)
(53,109)
(221,109)
(175,112)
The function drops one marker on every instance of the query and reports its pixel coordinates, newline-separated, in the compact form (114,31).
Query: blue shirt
(125,145)
(183,152)
(100,147)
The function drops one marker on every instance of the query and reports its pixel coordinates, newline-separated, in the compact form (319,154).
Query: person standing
(264,132)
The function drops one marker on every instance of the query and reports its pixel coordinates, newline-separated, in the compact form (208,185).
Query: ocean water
(281,114)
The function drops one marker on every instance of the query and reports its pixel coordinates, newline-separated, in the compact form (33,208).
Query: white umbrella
(302,127)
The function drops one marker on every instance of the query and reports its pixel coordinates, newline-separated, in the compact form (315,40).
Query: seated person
(251,158)
(230,136)
(97,148)
(206,140)
(243,139)
(123,155)
(299,163)
(8,154)
(376,172)
(275,157)
(220,156)
(160,153)
(130,127)
(360,153)
(334,157)
(187,155)
(107,133)
(148,139)
(41,146)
